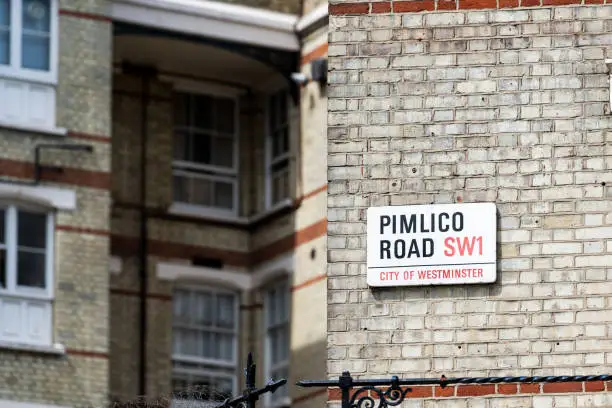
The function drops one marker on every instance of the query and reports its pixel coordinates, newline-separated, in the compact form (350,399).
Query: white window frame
(269,146)
(268,368)
(14,69)
(28,296)
(180,167)
(217,368)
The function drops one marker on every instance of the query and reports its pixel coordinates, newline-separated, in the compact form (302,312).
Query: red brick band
(86,353)
(85,15)
(130,292)
(89,137)
(414,6)
(318,190)
(271,251)
(71,176)
(82,230)
(126,246)
(256,306)
(309,282)
(479,390)
(318,52)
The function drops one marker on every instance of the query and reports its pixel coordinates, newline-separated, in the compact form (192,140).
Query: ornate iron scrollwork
(391,397)
(368,393)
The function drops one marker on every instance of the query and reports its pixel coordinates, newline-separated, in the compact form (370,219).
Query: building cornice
(212,19)
(312,18)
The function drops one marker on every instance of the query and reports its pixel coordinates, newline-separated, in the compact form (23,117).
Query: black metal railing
(363,393)
(251,394)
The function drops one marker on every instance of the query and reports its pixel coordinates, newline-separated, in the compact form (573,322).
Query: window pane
(272,116)
(31,230)
(5,46)
(207,349)
(190,340)
(284,340)
(3,268)
(2,221)
(35,47)
(225,311)
(271,307)
(37,15)
(180,188)
(280,142)
(223,151)
(275,346)
(177,342)
(200,192)
(202,112)
(179,304)
(5,13)
(282,108)
(202,309)
(226,349)
(224,195)
(225,112)
(181,109)
(280,186)
(201,148)
(31,269)
(181,145)
(210,331)
(35,52)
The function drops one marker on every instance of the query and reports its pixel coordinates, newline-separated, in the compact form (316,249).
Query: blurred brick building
(163,198)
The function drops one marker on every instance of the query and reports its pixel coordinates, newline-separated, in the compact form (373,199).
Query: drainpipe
(143,234)
(145,74)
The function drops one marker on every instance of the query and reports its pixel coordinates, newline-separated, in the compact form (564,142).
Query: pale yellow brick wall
(313,110)
(80,308)
(309,302)
(310,5)
(457,118)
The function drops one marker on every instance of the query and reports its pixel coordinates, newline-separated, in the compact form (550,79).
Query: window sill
(53,131)
(55,349)
(206,214)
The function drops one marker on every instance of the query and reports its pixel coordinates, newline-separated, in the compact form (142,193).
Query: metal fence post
(251,393)
(250,373)
(345,382)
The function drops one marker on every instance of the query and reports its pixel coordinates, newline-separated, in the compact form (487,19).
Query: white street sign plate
(444,244)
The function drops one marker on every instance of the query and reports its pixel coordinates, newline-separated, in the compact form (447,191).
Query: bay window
(28,62)
(26,275)
(205,167)
(278,149)
(205,345)
(277,309)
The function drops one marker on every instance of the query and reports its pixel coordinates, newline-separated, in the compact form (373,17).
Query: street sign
(444,244)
